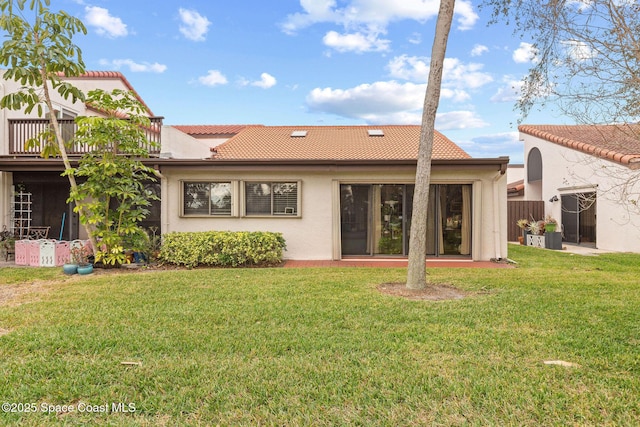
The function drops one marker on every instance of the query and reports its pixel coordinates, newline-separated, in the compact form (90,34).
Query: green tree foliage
(112,192)
(111,199)
(37,53)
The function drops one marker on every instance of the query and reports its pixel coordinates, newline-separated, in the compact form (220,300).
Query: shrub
(222,248)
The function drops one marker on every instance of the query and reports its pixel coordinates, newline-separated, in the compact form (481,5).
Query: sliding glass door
(579,217)
(355,219)
(376,219)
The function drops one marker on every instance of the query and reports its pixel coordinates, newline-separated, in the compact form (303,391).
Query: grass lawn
(322,347)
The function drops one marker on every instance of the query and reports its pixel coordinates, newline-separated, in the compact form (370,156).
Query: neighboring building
(195,141)
(587,176)
(515,182)
(339,191)
(32,192)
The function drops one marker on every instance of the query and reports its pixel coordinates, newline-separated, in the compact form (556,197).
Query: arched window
(534,165)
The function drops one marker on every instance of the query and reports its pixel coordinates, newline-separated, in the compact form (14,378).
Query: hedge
(222,248)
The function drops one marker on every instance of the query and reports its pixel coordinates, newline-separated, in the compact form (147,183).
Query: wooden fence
(517,209)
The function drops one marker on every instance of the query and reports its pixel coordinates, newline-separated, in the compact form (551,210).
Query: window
(207,198)
(271,198)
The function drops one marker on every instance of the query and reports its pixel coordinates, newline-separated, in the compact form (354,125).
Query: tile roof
(618,143)
(515,188)
(211,130)
(112,75)
(332,143)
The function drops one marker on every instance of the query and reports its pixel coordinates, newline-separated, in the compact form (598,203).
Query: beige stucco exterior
(315,234)
(568,171)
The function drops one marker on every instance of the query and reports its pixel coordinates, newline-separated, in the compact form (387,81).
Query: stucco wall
(567,171)
(313,234)
(178,145)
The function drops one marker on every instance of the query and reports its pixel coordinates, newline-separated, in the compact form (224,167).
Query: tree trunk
(416,272)
(63,151)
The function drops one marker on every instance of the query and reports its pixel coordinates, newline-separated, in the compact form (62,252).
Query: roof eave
(500,162)
(11,164)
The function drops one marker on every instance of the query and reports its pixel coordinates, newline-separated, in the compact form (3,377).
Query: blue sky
(312,62)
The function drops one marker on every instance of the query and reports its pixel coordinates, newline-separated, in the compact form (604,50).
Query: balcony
(21,130)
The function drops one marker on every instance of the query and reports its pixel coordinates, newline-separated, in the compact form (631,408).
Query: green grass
(323,347)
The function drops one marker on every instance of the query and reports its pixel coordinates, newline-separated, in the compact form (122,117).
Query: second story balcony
(22,130)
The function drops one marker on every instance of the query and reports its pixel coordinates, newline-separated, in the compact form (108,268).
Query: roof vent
(375,132)
(298,134)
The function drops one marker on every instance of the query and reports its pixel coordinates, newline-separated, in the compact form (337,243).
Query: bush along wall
(222,248)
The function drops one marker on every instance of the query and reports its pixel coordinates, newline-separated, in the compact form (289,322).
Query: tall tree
(38,53)
(112,193)
(586,56)
(416,272)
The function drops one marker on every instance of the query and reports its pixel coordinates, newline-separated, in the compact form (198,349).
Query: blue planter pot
(85,269)
(70,268)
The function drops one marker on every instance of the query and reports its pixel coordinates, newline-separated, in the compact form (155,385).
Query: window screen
(271,198)
(207,198)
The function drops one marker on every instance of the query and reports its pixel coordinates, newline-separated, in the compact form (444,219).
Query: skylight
(375,132)
(298,134)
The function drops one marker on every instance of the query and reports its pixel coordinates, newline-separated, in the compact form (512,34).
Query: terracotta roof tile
(516,188)
(111,75)
(211,130)
(618,143)
(333,143)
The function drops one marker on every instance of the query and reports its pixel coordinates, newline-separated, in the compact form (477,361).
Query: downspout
(497,220)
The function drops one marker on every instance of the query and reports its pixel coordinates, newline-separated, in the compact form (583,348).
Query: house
(334,191)
(587,177)
(32,192)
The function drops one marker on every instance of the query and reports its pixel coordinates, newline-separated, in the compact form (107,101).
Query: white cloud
(510,92)
(467,17)
(525,53)
(213,78)
(479,49)
(266,81)
(456,75)
(412,68)
(135,67)
(459,120)
(104,23)
(355,42)
(578,51)
(372,16)
(385,103)
(315,11)
(378,97)
(416,38)
(455,95)
(495,145)
(194,26)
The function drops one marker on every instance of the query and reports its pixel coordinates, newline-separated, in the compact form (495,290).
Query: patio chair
(35,233)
